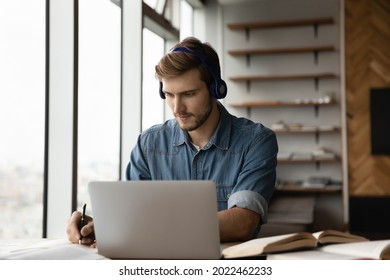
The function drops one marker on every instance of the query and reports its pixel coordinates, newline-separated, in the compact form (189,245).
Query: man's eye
(189,94)
(167,94)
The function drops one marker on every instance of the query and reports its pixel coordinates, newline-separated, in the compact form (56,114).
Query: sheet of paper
(46,249)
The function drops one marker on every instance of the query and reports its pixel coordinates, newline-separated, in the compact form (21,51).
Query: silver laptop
(156,219)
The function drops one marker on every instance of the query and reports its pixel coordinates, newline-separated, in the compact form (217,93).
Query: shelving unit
(264,91)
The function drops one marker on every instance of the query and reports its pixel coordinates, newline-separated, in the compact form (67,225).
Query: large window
(152,104)
(153,47)
(99,93)
(22,117)
(186,19)
(22,106)
(157,5)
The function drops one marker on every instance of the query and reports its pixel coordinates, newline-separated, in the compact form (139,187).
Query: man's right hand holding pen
(80,229)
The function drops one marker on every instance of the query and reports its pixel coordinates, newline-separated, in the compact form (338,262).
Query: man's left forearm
(237,224)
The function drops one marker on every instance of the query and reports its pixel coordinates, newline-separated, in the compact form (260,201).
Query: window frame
(60,170)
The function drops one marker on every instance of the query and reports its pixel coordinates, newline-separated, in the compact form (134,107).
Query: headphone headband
(218,88)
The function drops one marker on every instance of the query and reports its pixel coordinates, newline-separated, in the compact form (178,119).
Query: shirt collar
(220,138)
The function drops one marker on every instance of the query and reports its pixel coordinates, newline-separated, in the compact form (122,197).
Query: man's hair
(176,63)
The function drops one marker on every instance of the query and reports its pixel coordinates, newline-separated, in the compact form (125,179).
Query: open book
(377,249)
(288,242)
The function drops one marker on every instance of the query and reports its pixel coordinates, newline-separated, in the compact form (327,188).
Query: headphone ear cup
(213,89)
(220,89)
(162,95)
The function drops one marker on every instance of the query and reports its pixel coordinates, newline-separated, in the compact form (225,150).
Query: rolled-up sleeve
(250,200)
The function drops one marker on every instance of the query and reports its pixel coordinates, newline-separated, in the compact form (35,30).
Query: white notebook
(156,219)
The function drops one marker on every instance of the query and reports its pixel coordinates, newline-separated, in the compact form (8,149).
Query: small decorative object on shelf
(323,153)
(280,125)
(327,99)
(284,156)
(297,156)
(316,182)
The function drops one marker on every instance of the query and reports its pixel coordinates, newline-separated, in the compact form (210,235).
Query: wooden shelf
(314,130)
(283,77)
(280,23)
(303,131)
(272,103)
(298,188)
(281,50)
(312,160)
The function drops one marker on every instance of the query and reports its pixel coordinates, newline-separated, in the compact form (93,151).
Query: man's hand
(85,235)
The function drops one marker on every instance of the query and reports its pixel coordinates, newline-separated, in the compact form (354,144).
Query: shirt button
(228,195)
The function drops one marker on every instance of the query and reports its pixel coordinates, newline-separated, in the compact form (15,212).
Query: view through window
(22,117)
(99,94)
(152,104)
(153,110)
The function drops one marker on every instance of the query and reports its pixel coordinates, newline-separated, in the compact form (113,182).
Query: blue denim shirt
(240,158)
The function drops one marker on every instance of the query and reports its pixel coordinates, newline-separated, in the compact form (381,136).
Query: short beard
(202,119)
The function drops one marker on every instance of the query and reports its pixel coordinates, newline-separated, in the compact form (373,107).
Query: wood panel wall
(367,24)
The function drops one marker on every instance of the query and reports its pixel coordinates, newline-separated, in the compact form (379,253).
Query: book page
(270,244)
(364,249)
(335,236)
(309,255)
(252,247)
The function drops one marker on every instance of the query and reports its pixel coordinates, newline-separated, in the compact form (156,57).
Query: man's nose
(178,105)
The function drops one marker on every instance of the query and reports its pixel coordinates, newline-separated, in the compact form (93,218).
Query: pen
(82,221)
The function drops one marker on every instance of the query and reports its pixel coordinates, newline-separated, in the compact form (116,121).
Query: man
(204,142)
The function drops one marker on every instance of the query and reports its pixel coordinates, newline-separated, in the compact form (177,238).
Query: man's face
(189,99)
